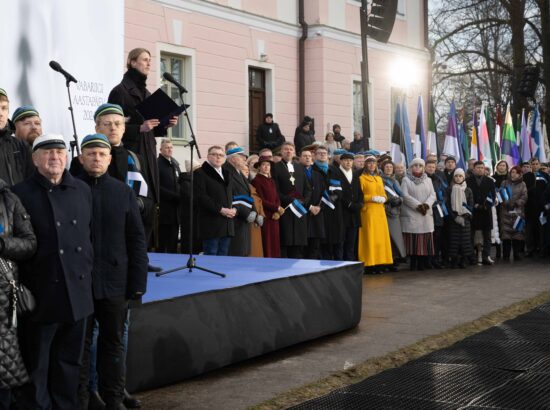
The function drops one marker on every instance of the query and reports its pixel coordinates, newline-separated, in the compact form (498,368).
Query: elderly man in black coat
(352,202)
(170,198)
(214,197)
(483,189)
(292,184)
(120,268)
(59,275)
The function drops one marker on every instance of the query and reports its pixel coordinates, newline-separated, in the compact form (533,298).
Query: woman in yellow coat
(374,236)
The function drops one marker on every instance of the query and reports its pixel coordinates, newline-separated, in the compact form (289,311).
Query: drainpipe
(302,62)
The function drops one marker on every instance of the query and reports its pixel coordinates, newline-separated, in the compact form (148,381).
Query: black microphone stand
(191,262)
(74,142)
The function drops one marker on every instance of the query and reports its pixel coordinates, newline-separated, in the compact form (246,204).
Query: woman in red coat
(265,186)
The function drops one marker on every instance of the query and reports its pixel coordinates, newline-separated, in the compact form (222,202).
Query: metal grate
(506,355)
(518,331)
(527,391)
(350,401)
(448,383)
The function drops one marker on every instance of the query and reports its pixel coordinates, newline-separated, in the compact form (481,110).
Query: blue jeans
(216,246)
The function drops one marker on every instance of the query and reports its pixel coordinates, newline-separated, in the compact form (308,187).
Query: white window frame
(188,57)
(370,96)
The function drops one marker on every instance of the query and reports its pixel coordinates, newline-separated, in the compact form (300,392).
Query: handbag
(23,301)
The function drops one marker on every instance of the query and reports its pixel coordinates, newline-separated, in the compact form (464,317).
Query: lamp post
(365,76)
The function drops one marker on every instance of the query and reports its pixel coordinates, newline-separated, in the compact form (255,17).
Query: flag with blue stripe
(334,185)
(325,199)
(519,224)
(297,208)
(244,200)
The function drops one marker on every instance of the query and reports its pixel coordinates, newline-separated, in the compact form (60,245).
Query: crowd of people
(77,238)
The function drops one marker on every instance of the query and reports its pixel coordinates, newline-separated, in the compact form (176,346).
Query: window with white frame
(180,68)
(401,9)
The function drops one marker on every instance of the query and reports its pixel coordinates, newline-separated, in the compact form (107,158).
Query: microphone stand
(191,261)
(74,142)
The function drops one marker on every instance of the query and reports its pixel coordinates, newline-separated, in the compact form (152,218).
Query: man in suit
(214,196)
(59,275)
(119,273)
(242,202)
(483,188)
(170,198)
(292,184)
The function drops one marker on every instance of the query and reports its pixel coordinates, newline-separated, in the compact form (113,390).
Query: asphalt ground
(398,310)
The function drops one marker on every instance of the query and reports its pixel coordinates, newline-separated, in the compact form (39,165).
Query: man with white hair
(59,275)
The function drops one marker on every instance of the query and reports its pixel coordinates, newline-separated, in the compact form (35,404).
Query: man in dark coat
(483,189)
(15,155)
(358,143)
(120,269)
(331,244)
(315,216)
(268,134)
(214,199)
(170,197)
(352,203)
(59,275)
(28,125)
(449,171)
(292,184)
(139,135)
(304,137)
(242,202)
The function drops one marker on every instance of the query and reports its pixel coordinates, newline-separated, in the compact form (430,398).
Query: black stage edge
(172,340)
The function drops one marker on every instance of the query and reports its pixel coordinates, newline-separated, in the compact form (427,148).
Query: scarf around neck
(458,199)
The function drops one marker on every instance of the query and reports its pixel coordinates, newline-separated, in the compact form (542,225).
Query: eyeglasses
(108,124)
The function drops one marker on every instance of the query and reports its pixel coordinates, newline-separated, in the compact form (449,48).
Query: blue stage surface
(195,322)
(239,271)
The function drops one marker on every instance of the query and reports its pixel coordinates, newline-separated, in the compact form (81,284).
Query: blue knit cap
(24,112)
(107,108)
(95,141)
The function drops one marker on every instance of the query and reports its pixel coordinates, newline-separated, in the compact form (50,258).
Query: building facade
(239,59)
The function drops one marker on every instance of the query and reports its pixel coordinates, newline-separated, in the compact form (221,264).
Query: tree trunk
(544,6)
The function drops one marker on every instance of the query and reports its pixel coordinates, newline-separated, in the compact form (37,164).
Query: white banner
(86,37)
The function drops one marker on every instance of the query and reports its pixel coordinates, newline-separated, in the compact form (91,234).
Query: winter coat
(316,223)
(482,215)
(128,94)
(352,199)
(417,191)
(459,236)
(267,191)
(17,243)
(212,193)
(269,136)
(302,140)
(440,187)
(15,158)
(240,244)
(170,197)
(512,209)
(333,219)
(293,229)
(118,237)
(60,273)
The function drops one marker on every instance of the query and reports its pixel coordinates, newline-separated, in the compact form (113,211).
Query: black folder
(159,105)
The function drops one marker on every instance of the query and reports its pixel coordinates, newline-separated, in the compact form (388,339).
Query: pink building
(240,59)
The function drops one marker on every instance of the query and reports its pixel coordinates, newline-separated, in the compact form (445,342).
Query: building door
(256,104)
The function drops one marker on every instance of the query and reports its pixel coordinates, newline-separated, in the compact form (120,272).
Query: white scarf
(458,199)
(347,174)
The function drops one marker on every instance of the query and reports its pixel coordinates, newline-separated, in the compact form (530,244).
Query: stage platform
(192,323)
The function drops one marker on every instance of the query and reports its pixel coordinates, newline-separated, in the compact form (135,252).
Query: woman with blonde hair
(374,236)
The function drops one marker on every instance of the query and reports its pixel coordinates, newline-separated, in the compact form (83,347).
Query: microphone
(168,77)
(57,67)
